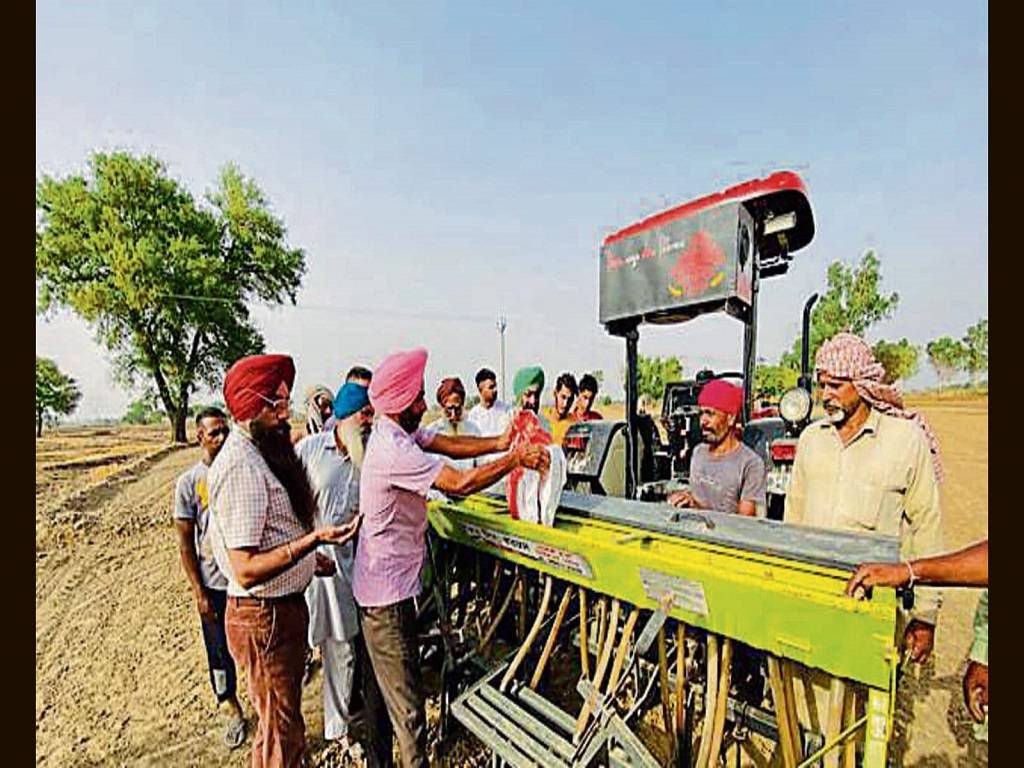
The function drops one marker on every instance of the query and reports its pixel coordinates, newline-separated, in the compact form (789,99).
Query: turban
(846,356)
(398,380)
(531,376)
(351,397)
(314,419)
(253,378)
(451,385)
(722,396)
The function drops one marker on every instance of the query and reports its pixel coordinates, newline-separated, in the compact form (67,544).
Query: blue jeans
(218,658)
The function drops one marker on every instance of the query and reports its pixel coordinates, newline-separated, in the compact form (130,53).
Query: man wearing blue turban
(333,617)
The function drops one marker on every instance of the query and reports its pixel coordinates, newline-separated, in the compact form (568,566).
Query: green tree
(771,381)
(653,373)
(163,281)
(975,343)
(143,410)
(852,302)
(901,359)
(946,356)
(57,394)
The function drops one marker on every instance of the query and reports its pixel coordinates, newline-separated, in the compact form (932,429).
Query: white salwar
(333,616)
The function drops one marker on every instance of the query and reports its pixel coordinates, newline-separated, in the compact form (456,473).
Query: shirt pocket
(869,506)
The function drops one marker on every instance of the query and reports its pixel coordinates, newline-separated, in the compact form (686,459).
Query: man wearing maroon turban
(261,512)
(451,396)
(398,471)
(871,465)
(725,475)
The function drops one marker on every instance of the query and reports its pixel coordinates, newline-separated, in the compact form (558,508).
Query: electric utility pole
(502,324)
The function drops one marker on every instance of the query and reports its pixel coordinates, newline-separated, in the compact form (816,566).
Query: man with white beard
(333,466)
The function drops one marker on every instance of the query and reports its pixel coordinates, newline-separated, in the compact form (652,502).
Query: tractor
(708,255)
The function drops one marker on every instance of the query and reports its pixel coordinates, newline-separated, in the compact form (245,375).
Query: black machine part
(586,445)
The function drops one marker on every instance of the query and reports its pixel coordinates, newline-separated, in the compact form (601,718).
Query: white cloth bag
(538,498)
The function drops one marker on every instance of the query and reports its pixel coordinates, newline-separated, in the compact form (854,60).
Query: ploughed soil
(120,668)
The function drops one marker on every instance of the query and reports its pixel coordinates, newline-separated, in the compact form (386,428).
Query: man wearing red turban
(398,471)
(261,512)
(725,475)
(451,396)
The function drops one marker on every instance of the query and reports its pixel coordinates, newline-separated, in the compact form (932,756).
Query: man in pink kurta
(395,478)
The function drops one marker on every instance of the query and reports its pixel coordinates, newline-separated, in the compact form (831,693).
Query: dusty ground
(120,669)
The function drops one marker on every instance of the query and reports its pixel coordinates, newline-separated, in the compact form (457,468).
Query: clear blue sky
(444,163)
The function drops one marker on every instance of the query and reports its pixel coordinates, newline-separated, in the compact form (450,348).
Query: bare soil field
(120,668)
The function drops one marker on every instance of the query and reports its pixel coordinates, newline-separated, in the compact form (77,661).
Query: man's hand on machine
(871,575)
(682,499)
(533,457)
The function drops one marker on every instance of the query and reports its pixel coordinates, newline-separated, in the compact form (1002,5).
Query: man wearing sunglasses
(208,584)
(265,541)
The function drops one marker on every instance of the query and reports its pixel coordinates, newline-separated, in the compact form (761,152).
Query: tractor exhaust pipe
(805,343)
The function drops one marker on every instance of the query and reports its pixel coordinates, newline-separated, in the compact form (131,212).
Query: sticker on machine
(535,550)
(686,593)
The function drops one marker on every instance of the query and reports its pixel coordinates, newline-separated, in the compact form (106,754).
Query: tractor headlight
(795,405)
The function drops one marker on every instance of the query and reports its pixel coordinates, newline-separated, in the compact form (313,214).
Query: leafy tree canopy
(853,302)
(57,394)
(975,343)
(772,381)
(901,359)
(653,373)
(946,356)
(163,281)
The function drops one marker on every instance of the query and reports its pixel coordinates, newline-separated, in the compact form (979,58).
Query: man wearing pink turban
(264,542)
(398,471)
(871,465)
(725,475)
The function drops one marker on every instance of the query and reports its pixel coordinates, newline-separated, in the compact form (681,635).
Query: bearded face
(839,397)
(273,440)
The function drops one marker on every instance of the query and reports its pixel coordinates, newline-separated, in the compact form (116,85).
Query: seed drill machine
(634,633)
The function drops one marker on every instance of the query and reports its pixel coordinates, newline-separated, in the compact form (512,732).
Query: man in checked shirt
(262,512)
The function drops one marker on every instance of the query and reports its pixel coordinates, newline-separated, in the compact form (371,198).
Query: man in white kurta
(333,616)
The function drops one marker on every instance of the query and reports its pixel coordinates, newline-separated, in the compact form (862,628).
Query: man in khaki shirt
(870,465)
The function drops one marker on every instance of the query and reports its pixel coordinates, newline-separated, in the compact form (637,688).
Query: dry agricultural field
(120,668)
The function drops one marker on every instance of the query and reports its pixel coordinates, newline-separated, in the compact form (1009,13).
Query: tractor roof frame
(634,275)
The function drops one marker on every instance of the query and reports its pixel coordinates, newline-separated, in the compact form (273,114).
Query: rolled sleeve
(240,501)
(924,515)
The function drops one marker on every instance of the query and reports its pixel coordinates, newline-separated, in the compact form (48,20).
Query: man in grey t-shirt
(725,475)
(208,584)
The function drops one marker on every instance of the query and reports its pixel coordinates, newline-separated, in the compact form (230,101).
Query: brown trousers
(391,643)
(268,642)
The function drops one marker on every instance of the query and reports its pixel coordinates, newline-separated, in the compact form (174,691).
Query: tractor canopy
(699,257)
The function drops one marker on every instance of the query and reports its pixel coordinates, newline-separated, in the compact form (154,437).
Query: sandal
(234,736)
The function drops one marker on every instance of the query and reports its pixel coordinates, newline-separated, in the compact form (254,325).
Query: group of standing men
(323,542)
(268,536)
